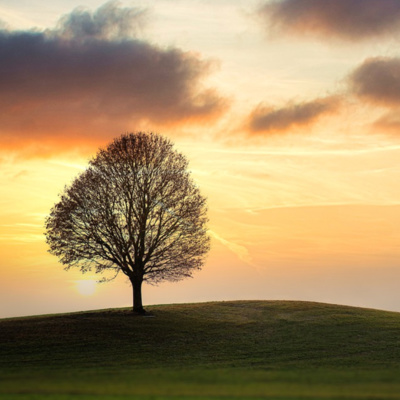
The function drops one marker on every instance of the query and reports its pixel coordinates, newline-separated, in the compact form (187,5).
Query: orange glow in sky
(289,121)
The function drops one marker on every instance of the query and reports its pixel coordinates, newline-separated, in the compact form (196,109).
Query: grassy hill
(244,349)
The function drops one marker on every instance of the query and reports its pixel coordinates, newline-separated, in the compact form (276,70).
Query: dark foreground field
(247,350)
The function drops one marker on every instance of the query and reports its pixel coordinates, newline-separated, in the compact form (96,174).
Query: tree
(134,210)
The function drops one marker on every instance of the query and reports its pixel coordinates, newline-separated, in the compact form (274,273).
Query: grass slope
(244,349)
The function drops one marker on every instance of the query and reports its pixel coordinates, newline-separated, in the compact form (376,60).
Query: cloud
(388,123)
(272,120)
(110,21)
(345,19)
(89,79)
(240,251)
(377,80)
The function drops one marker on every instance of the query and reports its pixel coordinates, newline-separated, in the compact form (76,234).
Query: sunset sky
(288,111)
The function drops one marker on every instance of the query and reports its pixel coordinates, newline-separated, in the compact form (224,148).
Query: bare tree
(135,210)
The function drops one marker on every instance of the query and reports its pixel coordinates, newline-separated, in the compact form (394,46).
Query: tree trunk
(137,296)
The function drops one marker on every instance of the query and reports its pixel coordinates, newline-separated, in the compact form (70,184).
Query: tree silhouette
(135,210)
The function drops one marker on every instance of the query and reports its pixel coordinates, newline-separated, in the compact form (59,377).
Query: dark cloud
(378,80)
(345,19)
(88,79)
(270,120)
(108,22)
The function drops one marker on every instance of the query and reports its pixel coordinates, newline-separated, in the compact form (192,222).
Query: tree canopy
(134,210)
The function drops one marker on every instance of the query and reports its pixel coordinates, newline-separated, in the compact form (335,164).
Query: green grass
(225,350)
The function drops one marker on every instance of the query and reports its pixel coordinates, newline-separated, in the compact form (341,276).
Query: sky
(288,111)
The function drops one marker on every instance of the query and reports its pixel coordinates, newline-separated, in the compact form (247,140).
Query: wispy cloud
(241,251)
(266,120)
(350,20)
(388,123)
